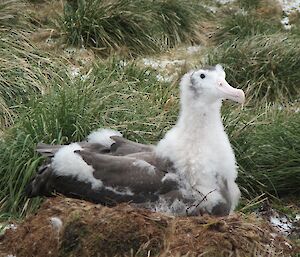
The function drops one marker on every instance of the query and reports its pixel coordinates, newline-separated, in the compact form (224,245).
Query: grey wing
(123,146)
(47,150)
(124,179)
(125,172)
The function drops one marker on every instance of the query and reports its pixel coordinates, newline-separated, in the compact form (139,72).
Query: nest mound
(66,227)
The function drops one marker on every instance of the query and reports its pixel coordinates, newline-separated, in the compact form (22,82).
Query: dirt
(94,230)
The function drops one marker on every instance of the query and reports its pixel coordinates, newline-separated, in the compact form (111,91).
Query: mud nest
(66,227)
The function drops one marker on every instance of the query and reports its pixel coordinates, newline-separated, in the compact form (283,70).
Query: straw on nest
(94,230)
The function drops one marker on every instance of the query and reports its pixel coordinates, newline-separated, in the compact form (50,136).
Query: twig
(203,199)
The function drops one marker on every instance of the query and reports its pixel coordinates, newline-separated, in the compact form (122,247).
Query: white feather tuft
(56,223)
(102,136)
(144,166)
(67,163)
(170,176)
(120,191)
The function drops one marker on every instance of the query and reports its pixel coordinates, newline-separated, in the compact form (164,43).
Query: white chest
(200,159)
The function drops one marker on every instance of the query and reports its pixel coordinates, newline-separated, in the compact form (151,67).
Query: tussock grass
(108,24)
(267,68)
(249,4)
(267,7)
(24,71)
(125,98)
(249,18)
(242,25)
(267,146)
(294,20)
(133,27)
(13,14)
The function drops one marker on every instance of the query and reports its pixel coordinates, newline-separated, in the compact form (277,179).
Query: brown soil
(95,230)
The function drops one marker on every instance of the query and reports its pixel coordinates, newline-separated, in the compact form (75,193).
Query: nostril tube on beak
(228,92)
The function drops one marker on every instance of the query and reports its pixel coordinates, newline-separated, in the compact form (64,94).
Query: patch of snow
(283,225)
(10,255)
(165,78)
(56,223)
(8,226)
(289,6)
(241,12)
(123,63)
(297,217)
(102,136)
(83,77)
(162,65)
(193,49)
(212,9)
(285,23)
(145,166)
(11,226)
(155,64)
(224,1)
(74,71)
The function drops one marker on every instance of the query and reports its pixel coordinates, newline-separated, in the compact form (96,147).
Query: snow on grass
(74,71)
(225,1)
(289,6)
(162,64)
(11,226)
(165,78)
(282,224)
(193,49)
(285,22)
(163,67)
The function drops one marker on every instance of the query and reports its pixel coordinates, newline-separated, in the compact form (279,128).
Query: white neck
(198,141)
(200,120)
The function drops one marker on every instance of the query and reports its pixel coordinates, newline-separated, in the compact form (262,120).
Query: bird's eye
(202,76)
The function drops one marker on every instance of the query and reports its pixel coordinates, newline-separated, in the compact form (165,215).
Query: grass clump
(24,71)
(249,18)
(267,150)
(265,7)
(294,20)
(242,25)
(133,27)
(110,96)
(13,14)
(108,25)
(267,68)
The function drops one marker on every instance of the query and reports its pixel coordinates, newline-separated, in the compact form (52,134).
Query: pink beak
(229,92)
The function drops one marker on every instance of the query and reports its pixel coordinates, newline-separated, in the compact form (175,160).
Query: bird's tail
(47,150)
(40,184)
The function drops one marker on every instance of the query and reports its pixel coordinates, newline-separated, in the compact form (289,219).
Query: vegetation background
(68,67)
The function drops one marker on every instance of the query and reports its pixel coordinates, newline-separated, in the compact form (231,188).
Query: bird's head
(208,85)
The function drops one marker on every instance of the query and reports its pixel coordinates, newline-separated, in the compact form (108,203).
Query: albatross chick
(192,170)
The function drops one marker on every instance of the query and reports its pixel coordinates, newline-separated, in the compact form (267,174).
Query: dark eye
(202,76)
